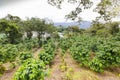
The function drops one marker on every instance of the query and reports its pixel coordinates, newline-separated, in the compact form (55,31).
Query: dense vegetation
(93,52)
(96,48)
(31,70)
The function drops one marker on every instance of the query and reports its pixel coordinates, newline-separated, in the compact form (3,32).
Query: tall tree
(28,27)
(73,15)
(14,19)
(106,8)
(113,28)
(11,30)
(74,29)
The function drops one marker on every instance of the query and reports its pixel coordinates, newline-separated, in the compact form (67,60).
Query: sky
(41,9)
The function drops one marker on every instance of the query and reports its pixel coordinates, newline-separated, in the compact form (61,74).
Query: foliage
(31,70)
(114,28)
(64,45)
(15,29)
(11,53)
(8,53)
(104,29)
(48,53)
(107,9)
(29,44)
(45,57)
(24,55)
(2,69)
(28,27)
(94,52)
(74,29)
(74,14)
(11,30)
(96,65)
(117,36)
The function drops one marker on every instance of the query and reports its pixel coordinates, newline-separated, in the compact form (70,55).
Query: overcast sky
(41,9)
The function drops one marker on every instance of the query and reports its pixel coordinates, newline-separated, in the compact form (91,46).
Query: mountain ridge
(83,24)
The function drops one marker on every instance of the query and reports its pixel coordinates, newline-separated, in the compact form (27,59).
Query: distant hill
(84,24)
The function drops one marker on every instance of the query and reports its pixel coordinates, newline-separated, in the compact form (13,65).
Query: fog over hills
(84,24)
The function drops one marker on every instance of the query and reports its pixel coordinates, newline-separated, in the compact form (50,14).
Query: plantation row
(14,54)
(95,53)
(21,55)
(34,69)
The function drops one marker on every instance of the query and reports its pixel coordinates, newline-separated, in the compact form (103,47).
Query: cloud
(41,9)
(7,2)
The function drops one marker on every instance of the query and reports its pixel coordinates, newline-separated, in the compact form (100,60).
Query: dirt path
(55,73)
(35,54)
(73,72)
(8,75)
(86,74)
(77,72)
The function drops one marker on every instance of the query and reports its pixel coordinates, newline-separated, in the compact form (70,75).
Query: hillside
(84,24)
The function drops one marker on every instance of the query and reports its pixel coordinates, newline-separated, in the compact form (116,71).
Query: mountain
(84,24)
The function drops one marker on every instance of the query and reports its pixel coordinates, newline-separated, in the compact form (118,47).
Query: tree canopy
(107,9)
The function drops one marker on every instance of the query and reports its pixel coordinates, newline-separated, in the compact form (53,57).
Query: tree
(61,28)
(11,18)
(73,28)
(106,8)
(73,15)
(10,26)
(39,27)
(104,29)
(113,28)
(11,30)
(28,27)
(50,28)
(97,28)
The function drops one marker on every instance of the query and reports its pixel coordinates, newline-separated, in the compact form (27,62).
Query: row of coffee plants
(48,52)
(16,53)
(93,52)
(64,44)
(33,69)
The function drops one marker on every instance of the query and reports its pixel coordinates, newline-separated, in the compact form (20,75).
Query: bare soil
(35,55)
(78,73)
(8,75)
(55,73)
